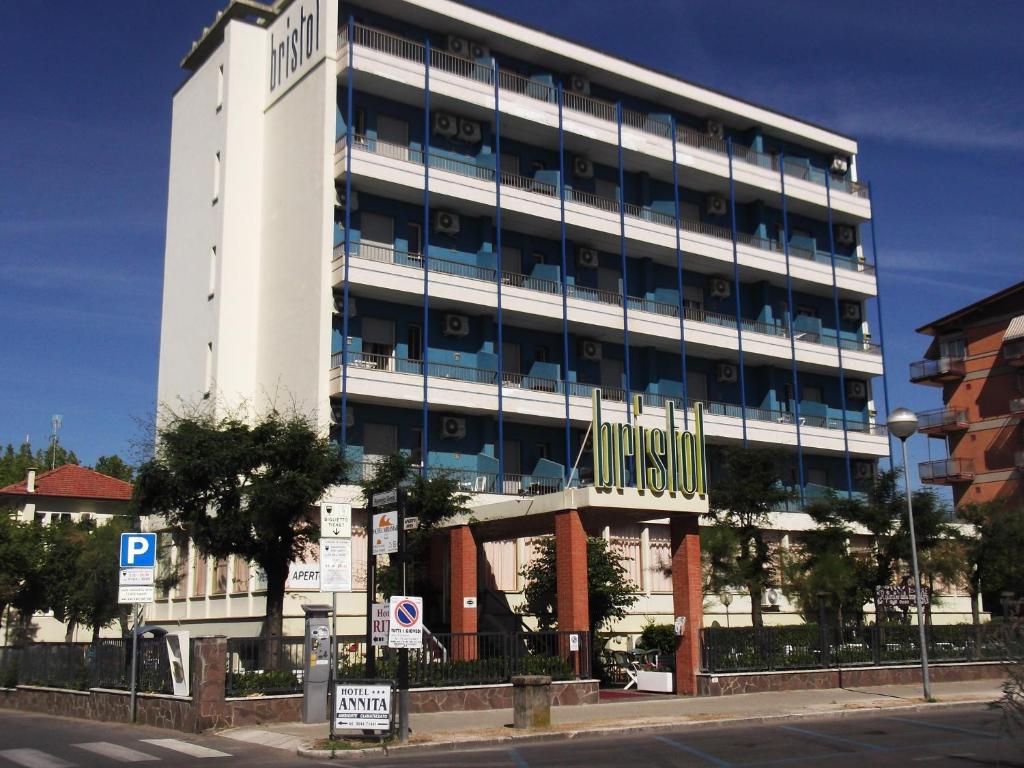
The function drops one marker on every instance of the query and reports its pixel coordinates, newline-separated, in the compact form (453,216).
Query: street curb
(472,743)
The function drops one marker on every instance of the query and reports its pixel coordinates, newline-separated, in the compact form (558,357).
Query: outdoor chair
(626,664)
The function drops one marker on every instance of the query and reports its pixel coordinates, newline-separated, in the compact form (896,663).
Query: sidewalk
(480,728)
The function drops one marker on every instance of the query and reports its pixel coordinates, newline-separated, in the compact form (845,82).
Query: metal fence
(255,665)
(810,646)
(79,666)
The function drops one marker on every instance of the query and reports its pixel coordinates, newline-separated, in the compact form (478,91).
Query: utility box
(316,663)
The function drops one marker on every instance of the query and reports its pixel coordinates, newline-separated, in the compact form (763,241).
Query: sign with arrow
(335,520)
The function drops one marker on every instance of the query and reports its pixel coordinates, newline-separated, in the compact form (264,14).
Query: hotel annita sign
(665,460)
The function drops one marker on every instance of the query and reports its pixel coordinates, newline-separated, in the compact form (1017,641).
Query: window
(395,134)
(509,164)
(216,176)
(625,541)
(659,545)
(181,570)
(164,566)
(208,375)
(220,87)
(953,347)
(696,386)
(212,288)
(511,260)
(415,237)
(379,440)
(414,342)
(812,394)
(543,450)
(693,302)
(803,310)
(198,575)
(416,438)
(220,576)
(817,476)
(500,565)
(359,125)
(377,230)
(378,343)
(541,354)
(239,575)
(787,396)
(606,189)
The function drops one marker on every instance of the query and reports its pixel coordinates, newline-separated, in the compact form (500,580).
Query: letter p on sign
(138,550)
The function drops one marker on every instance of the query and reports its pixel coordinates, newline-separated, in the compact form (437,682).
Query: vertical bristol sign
(297,41)
(665,460)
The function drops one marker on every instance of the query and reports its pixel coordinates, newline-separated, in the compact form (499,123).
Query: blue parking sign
(138,550)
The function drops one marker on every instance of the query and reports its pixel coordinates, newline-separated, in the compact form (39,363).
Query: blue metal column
(839,341)
(348,238)
(622,256)
(500,447)
(679,274)
(881,328)
(565,286)
(425,436)
(792,331)
(736,291)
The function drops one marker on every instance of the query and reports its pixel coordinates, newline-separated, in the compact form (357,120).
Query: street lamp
(903,423)
(726,599)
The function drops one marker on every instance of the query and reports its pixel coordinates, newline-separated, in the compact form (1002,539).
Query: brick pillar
(209,668)
(687,599)
(464,582)
(571,572)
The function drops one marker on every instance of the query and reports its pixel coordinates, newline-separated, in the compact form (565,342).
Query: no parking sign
(406,622)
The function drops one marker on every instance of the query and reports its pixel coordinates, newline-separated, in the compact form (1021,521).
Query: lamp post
(726,599)
(903,423)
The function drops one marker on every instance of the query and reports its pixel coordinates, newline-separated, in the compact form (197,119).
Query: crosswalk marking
(116,752)
(187,748)
(33,758)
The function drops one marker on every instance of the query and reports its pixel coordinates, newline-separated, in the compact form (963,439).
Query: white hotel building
(440,230)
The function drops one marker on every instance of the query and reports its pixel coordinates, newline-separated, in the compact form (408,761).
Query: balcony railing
(1014,353)
(608,205)
(947,471)
(475,480)
(942,421)
(385,255)
(654,125)
(544,385)
(937,371)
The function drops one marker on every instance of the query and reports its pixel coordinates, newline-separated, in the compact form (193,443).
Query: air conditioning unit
(863,470)
(840,165)
(586,257)
(850,311)
(719,288)
(446,223)
(582,167)
(452,428)
(458,45)
(715,129)
(716,205)
(444,124)
(726,373)
(456,325)
(845,235)
(470,131)
(579,84)
(770,598)
(339,199)
(856,389)
(590,350)
(479,51)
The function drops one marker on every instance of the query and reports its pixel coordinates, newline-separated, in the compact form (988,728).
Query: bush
(658,637)
(255,683)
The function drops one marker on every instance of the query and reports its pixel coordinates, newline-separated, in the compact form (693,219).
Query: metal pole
(334,663)
(371,567)
(403,653)
(917,578)
(136,616)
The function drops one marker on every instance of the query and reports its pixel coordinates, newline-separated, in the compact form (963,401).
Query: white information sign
(381,622)
(128,594)
(385,498)
(406,627)
(574,642)
(335,520)
(385,533)
(178,657)
(359,707)
(335,565)
(303,577)
(137,576)
(410,523)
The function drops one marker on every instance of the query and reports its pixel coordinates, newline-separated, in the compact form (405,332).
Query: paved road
(40,741)
(963,737)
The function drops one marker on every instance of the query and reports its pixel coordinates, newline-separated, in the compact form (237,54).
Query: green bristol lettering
(665,459)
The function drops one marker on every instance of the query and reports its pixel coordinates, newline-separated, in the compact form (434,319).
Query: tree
(432,500)
(22,582)
(14,464)
(115,466)
(747,489)
(991,550)
(609,591)
(243,488)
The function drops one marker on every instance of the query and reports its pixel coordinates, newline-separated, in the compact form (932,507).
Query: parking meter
(316,664)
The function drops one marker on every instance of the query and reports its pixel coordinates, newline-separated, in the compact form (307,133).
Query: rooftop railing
(655,125)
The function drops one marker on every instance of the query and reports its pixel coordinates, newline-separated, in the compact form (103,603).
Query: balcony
(936,372)
(946,471)
(1014,353)
(476,480)
(1017,406)
(942,421)
(1018,459)
(657,126)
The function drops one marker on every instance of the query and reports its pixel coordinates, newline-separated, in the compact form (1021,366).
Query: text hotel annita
(668,459)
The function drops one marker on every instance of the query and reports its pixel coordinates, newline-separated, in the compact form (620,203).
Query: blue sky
(931,91)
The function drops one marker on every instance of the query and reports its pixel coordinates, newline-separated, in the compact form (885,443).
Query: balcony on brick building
(946,471)
(942,421)
(936,372)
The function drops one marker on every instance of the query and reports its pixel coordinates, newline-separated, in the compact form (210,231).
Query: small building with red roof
(68,491)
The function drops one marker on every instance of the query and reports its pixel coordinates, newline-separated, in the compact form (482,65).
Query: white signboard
(335,565)
(137,576)
(385,533)
(178,656)
(574,642)
(297,41)
(362,707)
(406,617)
(303,577)
(381,622)
(132,594)
(410,524)
(385,498)
(335,520)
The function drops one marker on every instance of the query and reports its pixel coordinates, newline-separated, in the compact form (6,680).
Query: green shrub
(274,681)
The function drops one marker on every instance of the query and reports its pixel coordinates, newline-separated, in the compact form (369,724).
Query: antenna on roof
(56,421)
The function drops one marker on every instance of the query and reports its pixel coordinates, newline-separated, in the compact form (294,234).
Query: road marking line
(954,728)
(693,751)
(116,752)
(518,759)
(33,758)
(837,739)
(186,748)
